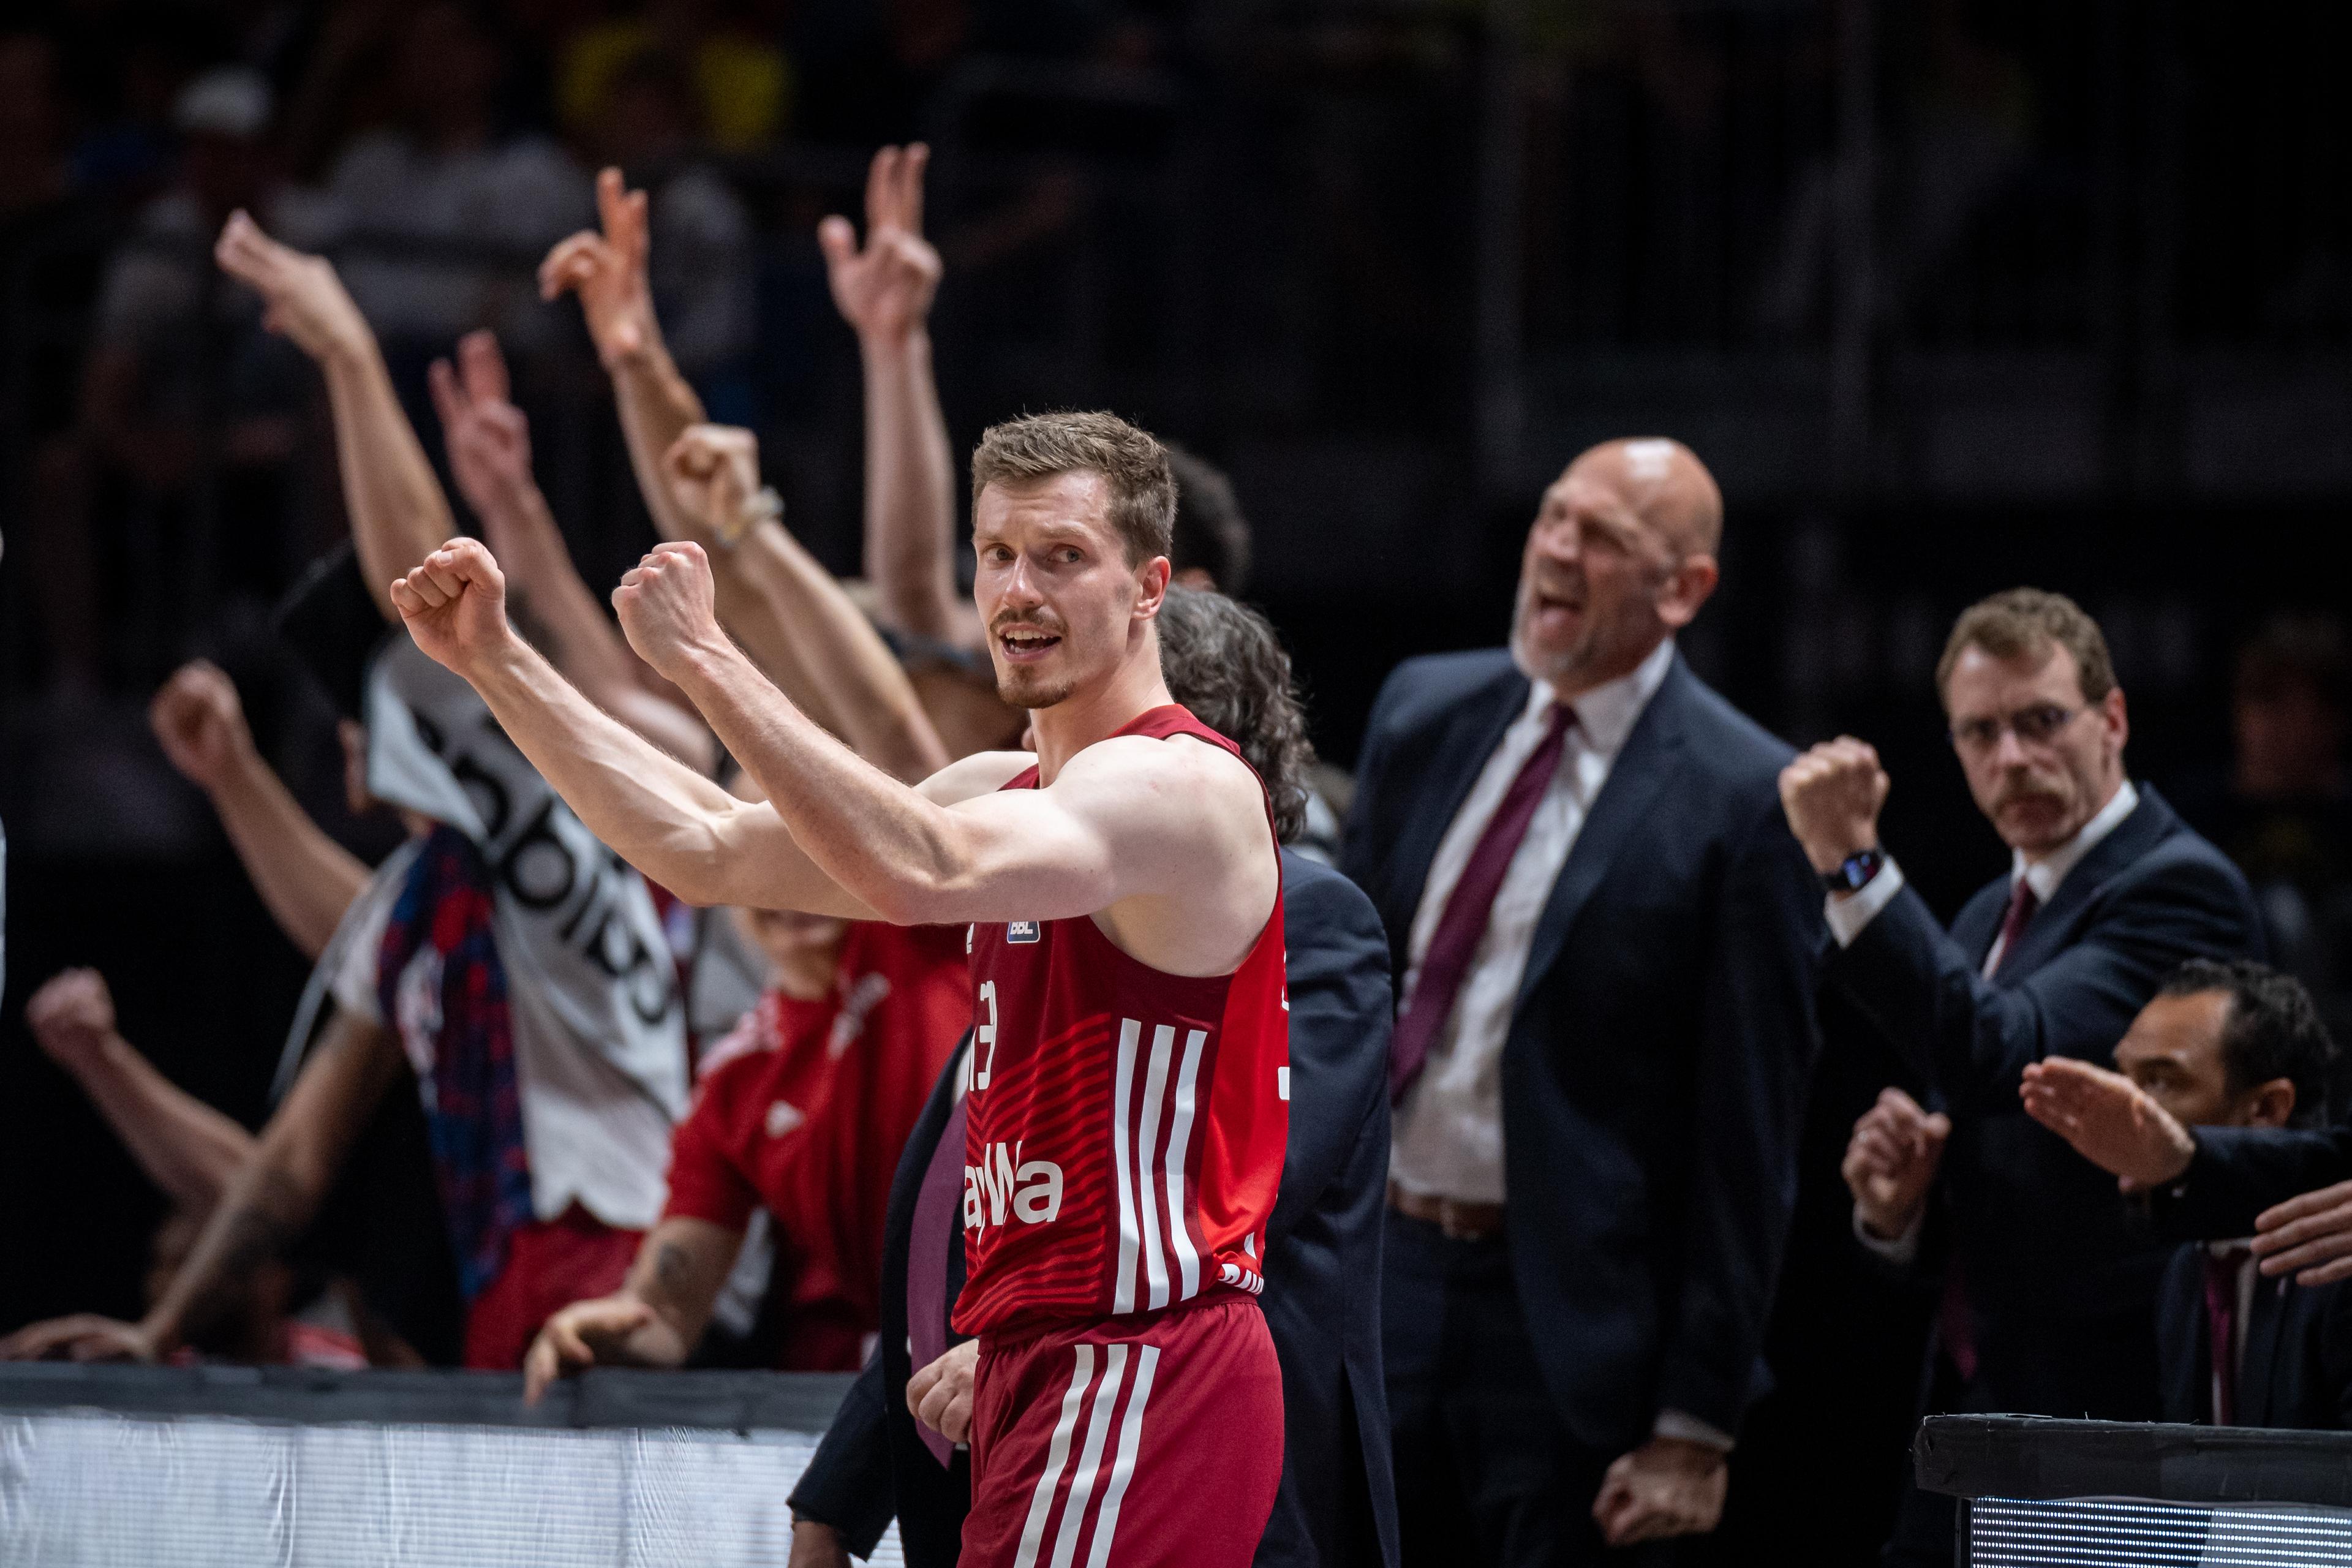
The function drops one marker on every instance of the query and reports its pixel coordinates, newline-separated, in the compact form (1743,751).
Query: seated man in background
(2221,1044)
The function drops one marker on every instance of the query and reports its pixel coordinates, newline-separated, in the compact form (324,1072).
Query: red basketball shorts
(1152,1443)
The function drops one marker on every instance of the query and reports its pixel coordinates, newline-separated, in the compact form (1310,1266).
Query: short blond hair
(1134,466)
(2030,622)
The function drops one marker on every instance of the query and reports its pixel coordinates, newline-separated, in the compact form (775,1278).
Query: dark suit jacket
(2298,1367)
(2044,1242)
(1337,1504)
(1653,1078)
(2237,1171)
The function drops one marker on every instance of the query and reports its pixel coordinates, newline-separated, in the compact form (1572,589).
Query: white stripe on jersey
(1131,1437)
(1123,1282)
(1180,1143)
(1082,1484)
(1155,1085)
(1057,1454)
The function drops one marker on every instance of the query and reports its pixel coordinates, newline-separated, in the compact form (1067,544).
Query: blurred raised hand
(605,267)
(884,291)
(303,298)
(200,724)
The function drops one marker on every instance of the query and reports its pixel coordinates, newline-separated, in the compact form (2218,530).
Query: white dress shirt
(1848,915)
(1449,1132)
(2246,1277)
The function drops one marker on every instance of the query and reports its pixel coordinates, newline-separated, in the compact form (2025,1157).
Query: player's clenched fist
(668,608)
(200,723)
(454,602)
(1832,794)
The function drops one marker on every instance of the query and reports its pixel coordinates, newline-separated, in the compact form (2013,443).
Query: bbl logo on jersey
(1021,931)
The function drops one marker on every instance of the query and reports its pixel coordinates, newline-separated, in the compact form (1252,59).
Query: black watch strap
(1854,872)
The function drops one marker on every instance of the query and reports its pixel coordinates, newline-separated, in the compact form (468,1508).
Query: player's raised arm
(1123,823)
(671,822)
(398,514)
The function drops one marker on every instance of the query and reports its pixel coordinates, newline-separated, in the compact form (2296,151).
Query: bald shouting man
(1601,933)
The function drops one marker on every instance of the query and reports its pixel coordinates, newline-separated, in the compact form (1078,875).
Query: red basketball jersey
(1126,1128)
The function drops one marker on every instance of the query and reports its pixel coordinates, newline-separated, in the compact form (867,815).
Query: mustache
(1040,619)
(2018,793)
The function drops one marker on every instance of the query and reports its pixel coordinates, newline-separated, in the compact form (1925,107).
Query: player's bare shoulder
(1178,780)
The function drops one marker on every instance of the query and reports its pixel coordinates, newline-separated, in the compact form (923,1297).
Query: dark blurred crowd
(537,1111)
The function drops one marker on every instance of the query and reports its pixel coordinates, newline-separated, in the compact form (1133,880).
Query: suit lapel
(2051,929)
(1460,757)
(1642,765)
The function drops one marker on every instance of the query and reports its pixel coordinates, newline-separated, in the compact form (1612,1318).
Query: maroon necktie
(2023,903)
(1447,962)
(2222,1330)
(928,1239)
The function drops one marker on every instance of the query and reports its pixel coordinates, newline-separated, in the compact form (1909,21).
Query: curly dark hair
(1221,660)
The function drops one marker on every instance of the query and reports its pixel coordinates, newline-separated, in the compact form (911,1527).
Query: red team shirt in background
(801,1110)
(1124,1144)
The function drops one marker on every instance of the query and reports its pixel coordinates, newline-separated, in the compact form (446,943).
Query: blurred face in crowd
(2174,1052)
(1621,556)
(2289,738)
(1063,604)
(2040,760)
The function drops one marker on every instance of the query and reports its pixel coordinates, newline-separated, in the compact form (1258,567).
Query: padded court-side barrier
(102,1467)
(2039,1493)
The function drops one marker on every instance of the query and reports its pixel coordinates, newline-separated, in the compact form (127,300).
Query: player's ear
(1151,586)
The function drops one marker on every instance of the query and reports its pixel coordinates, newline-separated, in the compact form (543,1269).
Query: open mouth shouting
(1023,643)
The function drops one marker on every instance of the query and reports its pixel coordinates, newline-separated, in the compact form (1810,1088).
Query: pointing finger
(910,187)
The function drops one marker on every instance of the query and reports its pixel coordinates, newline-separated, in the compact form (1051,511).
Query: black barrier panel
(2034,1458)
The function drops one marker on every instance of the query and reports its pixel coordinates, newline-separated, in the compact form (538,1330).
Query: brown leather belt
(1456,1221)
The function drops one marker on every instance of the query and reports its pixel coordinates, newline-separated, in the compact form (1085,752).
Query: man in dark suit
(1603,937)
(2049,1310)
(1336,1505)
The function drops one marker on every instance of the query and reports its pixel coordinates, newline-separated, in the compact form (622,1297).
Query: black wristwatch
(1854,872)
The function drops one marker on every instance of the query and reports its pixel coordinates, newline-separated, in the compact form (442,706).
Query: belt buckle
(1450,1225)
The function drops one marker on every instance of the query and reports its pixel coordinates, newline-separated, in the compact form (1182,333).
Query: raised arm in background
(305,877)
(188,1149)
(398,514)
(884,291)
(795,615)
(488,442)
(273,1196)
(607,270)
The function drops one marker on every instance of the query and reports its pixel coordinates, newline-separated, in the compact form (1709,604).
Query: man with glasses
(2047,1304)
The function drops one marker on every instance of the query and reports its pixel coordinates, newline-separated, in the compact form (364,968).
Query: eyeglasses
(2034,726)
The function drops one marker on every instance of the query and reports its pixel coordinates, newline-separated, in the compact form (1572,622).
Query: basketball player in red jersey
(1126,1120)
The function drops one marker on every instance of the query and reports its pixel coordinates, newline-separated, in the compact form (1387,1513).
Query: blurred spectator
(2284,809)
(275,1314)
(181,385)
(740,85)
(443,174)
(34,174)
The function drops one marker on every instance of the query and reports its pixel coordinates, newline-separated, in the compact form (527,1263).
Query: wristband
(767,506)
(1854,872)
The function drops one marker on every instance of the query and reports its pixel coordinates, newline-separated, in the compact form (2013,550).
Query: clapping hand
(1891,1162)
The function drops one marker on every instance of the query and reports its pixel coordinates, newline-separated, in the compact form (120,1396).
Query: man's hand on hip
(1666,1487)
(1832,794)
